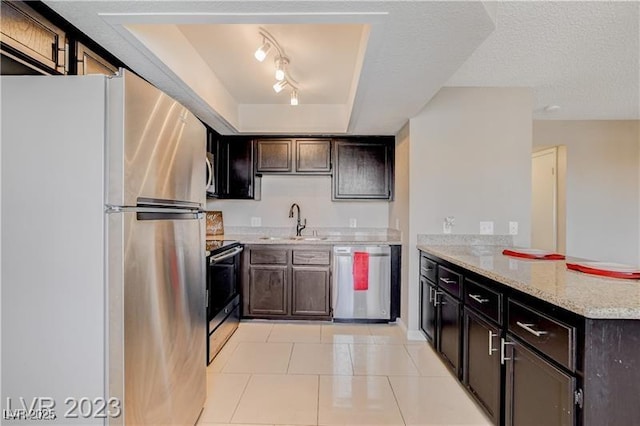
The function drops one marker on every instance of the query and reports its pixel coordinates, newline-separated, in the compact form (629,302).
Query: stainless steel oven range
(223,297)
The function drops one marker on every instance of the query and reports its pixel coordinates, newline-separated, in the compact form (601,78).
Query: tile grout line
(318,403)
(290,356)
(395,397)
(244,389)
(413,362)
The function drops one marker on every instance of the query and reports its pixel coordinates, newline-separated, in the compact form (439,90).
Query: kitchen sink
(272,238)
(308,238)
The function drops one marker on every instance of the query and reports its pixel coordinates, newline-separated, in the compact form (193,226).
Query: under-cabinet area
(527,361)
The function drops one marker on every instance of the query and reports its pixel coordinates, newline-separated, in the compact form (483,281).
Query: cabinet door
(29,38)
(268,290)
(362,170)
(233,158)
(482,363)
(91,63)
(428,310)
(274,155)
(449,330)
(537,392)
(310,291)
(313,156)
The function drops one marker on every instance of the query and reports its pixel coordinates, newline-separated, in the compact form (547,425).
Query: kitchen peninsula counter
(587,295)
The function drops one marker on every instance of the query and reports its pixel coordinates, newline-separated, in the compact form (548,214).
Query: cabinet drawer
(548,335)
(428,268)
(268,257)
(450,281)
(311,257)
(483,300)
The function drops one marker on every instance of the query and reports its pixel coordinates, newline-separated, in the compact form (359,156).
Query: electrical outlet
(513,228)
(486,228)
(448,223)
(353,222)
(256,221)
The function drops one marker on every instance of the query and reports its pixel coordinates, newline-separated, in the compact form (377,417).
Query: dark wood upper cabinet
(233,166)
(30,40)
(313,155)
(296,155)
(274,155)
(90,62)
(363,169)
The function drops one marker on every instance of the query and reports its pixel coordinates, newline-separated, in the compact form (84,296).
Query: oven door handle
(225,255)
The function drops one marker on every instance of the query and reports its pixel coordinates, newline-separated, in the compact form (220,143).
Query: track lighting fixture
(282,76)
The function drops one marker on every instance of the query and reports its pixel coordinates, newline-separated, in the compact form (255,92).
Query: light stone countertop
(310,240)
(587,295)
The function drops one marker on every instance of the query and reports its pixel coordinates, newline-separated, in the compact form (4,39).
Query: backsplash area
(465,240)
(312,194)
(287,231)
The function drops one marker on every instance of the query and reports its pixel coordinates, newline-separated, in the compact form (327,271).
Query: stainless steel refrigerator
(103,273)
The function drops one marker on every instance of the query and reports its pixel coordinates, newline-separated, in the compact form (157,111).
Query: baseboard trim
(414,335)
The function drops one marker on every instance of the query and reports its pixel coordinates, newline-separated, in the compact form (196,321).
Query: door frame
(554,152)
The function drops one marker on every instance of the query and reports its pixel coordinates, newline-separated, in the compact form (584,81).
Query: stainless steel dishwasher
(362,283)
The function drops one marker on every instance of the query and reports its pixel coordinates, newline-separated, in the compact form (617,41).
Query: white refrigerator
(103,273)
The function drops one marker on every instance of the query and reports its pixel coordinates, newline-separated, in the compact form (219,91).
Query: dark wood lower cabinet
(537,393)
(428,311)
(310,291)
(449,330)
(282,282)
(268,291)
(482,365)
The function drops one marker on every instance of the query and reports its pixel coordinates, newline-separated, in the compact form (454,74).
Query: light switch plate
(353,222)
(486,228)
(256,221)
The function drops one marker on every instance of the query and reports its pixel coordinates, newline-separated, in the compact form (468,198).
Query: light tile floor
(275,373)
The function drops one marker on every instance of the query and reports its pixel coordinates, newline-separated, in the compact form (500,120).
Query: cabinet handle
(430,294)
(530,330)
(436,302)
(478,298)
(447,280)
(503,345)
(491,349)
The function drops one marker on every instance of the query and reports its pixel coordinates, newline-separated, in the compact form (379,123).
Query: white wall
(602,186)
(313,194)
(399,211)
(470,157)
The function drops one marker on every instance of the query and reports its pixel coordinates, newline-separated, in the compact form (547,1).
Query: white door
(544,196)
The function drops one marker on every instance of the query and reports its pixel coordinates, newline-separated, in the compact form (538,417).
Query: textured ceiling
(582,56)
(411,50)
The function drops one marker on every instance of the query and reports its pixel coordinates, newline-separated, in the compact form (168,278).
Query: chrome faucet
(299,225)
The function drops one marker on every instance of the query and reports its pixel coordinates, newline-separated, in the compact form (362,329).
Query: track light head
(281,63)
(262,51)
(279,86)
(294,97)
